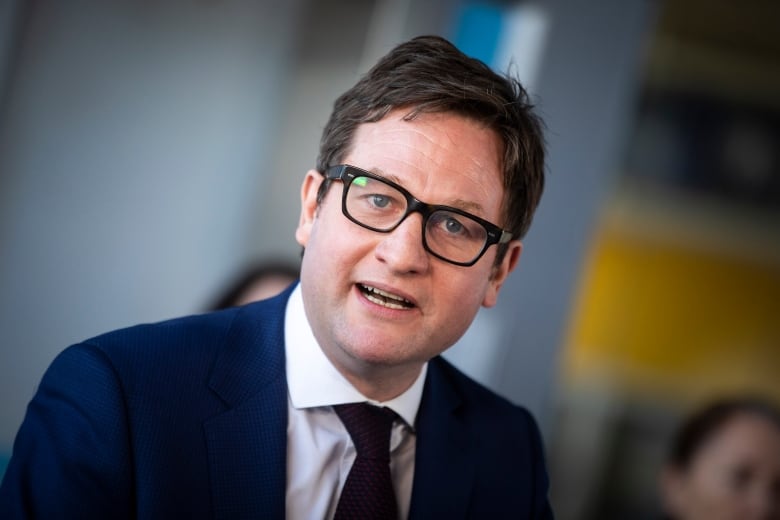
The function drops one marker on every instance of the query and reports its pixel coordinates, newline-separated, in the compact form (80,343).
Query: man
(249,412)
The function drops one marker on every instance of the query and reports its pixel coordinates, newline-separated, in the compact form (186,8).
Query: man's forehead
(465,158)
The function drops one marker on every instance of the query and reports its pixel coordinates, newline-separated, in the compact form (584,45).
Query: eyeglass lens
(380,206)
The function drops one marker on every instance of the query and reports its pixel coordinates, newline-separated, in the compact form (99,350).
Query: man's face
(441,159)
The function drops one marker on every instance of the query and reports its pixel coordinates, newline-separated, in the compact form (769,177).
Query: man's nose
(402,249)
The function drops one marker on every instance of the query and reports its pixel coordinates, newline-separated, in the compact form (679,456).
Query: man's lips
(384,298)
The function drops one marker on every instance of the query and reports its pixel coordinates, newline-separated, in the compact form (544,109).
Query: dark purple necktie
(368,492)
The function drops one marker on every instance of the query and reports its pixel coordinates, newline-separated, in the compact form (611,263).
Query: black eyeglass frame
(347,173)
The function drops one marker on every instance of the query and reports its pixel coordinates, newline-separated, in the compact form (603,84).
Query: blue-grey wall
(131,139)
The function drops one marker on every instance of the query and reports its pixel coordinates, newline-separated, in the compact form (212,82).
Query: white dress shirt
(320,452)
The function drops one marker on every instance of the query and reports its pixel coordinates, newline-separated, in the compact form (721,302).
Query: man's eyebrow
(461,204)
(385,175)
(467,205)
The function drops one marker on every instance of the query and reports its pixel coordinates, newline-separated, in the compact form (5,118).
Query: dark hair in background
(429,74)
(704,424)
(239,286)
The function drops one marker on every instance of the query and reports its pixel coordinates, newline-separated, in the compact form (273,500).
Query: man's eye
(447,224)
(453,226)
(380,201)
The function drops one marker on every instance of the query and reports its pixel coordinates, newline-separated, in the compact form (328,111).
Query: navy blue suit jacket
(188,419)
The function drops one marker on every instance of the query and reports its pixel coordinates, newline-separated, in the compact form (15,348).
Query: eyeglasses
(378,204)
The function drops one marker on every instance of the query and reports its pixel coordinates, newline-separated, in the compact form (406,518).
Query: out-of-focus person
(724,463)
(257,282)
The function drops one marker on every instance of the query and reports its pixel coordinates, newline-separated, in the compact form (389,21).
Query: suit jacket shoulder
(145,421)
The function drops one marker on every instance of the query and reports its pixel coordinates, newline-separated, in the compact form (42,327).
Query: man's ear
(309,189)
(501,271)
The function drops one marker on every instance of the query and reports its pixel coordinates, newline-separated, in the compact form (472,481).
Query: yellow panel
(668,317)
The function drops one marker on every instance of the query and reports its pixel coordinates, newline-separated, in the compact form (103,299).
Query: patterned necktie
(368,492)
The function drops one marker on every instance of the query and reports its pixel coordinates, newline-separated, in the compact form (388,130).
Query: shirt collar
(313,381)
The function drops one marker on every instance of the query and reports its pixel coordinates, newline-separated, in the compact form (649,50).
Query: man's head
(403,219)
(429,74)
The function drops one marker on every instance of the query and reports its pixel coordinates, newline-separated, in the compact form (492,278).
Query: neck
(381,383)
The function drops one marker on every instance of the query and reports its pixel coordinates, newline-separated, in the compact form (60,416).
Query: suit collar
(247,444)
(253,352)
(444,463)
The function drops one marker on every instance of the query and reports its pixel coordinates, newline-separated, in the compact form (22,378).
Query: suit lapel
(444,462)
(247,444)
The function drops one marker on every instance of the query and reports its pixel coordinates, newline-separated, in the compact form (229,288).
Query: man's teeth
(385,299)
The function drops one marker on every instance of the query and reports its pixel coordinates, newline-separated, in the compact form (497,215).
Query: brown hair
(429,74)
(705,423)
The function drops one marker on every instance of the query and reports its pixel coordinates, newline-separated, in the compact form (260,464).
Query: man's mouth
(383,298)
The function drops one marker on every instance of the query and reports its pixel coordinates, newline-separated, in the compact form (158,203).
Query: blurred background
(151,150)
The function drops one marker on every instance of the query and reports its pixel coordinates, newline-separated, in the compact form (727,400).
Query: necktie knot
(369,427)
